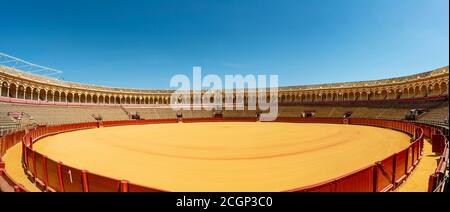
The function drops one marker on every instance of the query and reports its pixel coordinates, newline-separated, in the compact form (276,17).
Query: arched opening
(5,89)
(423,91)
(345,97)
(13,90)
(76,98)
(391,94)
(411,92)
(83,98)
(405,94)
(417,92)
(383,95)
(444,89)
(35,94)
(50,96)
(364,96)
(329,97)
(63,97)
(21,92)
(357,96)
(88,98)
(57,96)
(28,93)
(351,96)
(436,90)
(334,97)
(70,97)
(100,100)
(43,95)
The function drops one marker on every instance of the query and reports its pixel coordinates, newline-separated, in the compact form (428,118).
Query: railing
(51,175)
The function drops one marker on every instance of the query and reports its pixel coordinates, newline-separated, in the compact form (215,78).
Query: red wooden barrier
(39,169)
(71,178)
(360,181)
(30,162)
(410,163)
(138,188)
(385,175)
(401,159)
(438,142)
(97,183)
(382,176)
(53,183)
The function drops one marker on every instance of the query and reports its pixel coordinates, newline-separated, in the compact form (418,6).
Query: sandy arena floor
(224,156)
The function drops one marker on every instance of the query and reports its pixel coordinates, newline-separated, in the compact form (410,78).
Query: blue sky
(142,44)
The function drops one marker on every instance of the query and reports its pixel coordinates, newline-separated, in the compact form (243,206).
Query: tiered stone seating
(439,113)
(154,113)
(44,114)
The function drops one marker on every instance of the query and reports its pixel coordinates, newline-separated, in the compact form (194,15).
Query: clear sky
(142,44)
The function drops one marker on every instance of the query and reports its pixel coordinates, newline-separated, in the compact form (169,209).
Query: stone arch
(50,96)
(83,98)
(29,93)
(63,96)
(95,99)
(411,92)
(364,96)
(88,98)
(423,91)
(345,97)
(20,92)
(5,89)
(351,96)
(435,89)
(76,98)
(334,97)
(357,96)
(56,96)
(12,90)
(70,97)
(35,95)
(43,95)
(443,88)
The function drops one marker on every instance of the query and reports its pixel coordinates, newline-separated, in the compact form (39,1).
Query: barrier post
(123,186)
(25,155)
(34,164)
(61,184)
(394,167)
(406,161)
(17,189)
(44,164)
(85,181)
(375,176)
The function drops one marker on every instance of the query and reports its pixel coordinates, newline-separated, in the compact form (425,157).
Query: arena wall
(382,176)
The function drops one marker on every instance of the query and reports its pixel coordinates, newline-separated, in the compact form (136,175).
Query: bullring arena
(62,136)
